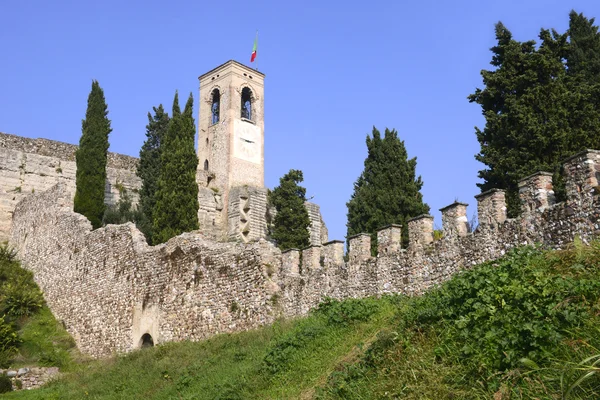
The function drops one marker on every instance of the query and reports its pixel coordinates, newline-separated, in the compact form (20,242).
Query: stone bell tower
(231,171)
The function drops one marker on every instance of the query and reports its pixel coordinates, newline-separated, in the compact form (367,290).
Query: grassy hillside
(29,334)
(526,326)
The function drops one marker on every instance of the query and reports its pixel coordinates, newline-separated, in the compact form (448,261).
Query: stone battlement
(111,289)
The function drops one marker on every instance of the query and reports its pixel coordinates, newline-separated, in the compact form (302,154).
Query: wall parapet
(110,288)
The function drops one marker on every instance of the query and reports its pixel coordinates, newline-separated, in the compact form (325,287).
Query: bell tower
(231,173)
(231,126)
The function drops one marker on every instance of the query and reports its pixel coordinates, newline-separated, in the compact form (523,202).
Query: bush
(5,384)
(8,338)
(21,299)
(513,308)
(7,253)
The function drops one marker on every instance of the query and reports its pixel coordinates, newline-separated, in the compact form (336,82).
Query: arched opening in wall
(216,106)
(206,142)
(146,341)
(246,103)
(206,165)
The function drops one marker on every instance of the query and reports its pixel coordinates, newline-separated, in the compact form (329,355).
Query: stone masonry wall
(30,165)
(110,288)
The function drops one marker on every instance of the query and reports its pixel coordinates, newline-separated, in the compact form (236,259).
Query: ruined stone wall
(111,289)
(31,165)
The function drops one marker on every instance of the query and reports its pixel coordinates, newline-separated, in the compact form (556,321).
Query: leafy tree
(176,209)
(91,158)
(541,105)
(149,168)
(123,211)
(291,223)
(387,191)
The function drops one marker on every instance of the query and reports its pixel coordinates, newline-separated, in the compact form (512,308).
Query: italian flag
(253,56)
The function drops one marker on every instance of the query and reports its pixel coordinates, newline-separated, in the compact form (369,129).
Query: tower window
(216,106)
(206,165)
(246,103)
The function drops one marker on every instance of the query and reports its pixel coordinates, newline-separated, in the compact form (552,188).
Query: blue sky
(334,69)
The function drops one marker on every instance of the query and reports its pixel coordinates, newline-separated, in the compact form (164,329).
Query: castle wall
(31,165)
(110,288)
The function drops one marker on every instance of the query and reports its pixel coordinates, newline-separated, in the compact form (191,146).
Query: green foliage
(176,209)
(5,384)
(8,342)
(91,158)
(508,310)
(121,212)
(291,223)
(541,105)
(281,354)
(497,329)
(28,331)
(349,311)
(149,168)
(19,295)
(387,191)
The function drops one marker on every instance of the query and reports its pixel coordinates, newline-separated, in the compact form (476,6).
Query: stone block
(536,193)
(359,247)
(420,231)
(491,208)
(454,219)
(389,239)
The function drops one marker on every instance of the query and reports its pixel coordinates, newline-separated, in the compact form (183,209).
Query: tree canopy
(176,209)
(91,158)
(149,167)
(541,105)
(388,190)
(291,223)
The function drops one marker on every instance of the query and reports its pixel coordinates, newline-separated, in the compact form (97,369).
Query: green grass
(284,361)
(523,327)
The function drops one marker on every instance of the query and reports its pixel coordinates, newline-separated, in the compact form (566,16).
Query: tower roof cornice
(230,63)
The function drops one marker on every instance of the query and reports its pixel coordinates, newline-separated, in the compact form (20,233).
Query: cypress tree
(291,223)
(387,191)
(91,158)
(176,209)
(541,105)
(583,73)
(149,168)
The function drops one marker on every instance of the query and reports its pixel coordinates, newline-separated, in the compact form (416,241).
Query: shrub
(21,299)
(5,384)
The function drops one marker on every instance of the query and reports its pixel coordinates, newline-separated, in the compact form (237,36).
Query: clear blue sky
(334,69)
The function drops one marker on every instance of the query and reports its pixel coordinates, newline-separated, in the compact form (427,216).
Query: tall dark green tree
(149,168)
(291,223)
(388,190)
(176,209)
(583,73)
(91,158)
(525,104)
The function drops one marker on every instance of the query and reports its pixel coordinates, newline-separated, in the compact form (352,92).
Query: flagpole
(257,50)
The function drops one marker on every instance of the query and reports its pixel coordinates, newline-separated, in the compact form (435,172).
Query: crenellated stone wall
(31,165)
(111,289)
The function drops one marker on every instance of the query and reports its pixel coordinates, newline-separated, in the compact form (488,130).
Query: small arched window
(246,103)
(206,165)
(215,106)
